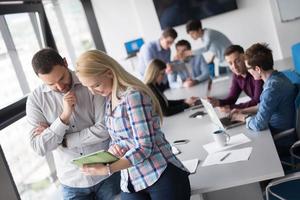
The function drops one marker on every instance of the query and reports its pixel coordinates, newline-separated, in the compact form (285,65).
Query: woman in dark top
(153,77)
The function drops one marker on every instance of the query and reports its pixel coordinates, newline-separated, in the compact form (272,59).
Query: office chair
(285,188)
(292,75)
(290,160)
(296,56)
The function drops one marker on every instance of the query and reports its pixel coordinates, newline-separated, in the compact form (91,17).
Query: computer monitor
(8,189)
(132,47)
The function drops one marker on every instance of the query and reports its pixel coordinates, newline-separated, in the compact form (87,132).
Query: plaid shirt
(134,125)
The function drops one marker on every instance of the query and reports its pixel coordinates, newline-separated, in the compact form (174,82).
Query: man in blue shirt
(277,108)
(193,67)
(213,41)
(158,49)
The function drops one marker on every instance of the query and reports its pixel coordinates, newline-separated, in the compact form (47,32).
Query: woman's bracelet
(108,169)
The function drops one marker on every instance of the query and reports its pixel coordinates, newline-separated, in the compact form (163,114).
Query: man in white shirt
(67,120)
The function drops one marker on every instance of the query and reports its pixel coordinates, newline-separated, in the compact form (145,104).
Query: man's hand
(213,101)
(191,101)
(189,83)
(41,127)
(238,117)
(225,109)
(69,102)
(169,69)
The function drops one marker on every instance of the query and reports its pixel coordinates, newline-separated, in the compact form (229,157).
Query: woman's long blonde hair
(153,70)
(95,63)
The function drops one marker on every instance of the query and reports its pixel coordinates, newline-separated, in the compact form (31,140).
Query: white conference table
(239,180)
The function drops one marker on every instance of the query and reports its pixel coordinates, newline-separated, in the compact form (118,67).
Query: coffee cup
(221,138)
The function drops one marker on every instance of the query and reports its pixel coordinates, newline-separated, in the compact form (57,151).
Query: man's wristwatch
(108,169)
(64,142)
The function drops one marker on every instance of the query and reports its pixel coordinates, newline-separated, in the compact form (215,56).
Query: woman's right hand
(117,150)
(191,101)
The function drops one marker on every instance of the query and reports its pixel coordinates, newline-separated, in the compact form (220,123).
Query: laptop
(132,47)
(223,123)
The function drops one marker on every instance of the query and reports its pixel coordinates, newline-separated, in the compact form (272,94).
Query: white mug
(221,138)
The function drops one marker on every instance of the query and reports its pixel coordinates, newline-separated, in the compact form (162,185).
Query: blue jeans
(105,190)
(173,184)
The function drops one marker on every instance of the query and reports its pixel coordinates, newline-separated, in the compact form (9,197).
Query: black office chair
(287,187)
(289,161)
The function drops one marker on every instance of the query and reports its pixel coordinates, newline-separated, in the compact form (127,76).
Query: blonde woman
(149,169)
(153,77)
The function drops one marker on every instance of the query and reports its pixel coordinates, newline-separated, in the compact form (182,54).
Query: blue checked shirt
(149,51)
(134,125)
(277,108)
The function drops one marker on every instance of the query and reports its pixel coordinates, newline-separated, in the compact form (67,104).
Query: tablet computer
(102,156)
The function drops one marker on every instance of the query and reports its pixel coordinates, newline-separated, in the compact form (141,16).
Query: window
(70,28)
(12,91)
(26,43)
(20,39)
(30,171)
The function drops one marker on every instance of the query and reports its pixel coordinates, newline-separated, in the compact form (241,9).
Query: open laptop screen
(212,113)
(132,47)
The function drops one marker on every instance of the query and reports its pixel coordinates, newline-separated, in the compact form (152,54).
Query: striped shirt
(134,125)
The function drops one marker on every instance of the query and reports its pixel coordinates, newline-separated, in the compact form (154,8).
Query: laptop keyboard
(226,121)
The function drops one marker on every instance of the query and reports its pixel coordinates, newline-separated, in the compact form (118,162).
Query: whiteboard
(289,9)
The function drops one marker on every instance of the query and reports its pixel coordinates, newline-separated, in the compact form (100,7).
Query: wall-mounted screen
(176,12)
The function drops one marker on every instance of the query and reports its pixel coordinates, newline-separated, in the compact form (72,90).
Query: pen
(224,157)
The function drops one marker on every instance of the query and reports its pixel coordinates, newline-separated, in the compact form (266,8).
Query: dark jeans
(173,184)
(105,190)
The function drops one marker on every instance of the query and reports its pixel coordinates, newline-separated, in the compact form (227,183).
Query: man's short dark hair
(44,60)
(169,32)
(183,43)
(232,49)
(193,25)
(260,55)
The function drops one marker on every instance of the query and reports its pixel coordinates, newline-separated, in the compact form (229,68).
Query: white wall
(117,23)
(253,21)
(288,32)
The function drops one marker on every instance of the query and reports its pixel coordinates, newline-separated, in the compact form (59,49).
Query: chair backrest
(297,105)
(292,75)
(296,56)
(284,188)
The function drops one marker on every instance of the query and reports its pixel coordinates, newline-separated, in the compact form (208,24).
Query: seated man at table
(192,69)
(242,81)
(276,110)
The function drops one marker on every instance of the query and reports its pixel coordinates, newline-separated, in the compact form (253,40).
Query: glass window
(77,25)
(71,31)
(30,172)
(12,91)
(25,42)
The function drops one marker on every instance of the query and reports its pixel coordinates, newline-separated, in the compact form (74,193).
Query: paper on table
(234,141)
(191,165)
(243,100)
(234,156)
